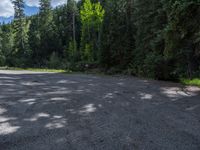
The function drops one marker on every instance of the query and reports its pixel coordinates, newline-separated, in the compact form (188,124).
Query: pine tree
(2,58)
(157,39)
(7,43)
(61,23)
(72,15)
(49,40)
(34,40)
(118,34)
(1,38)
(20,33)
(150,22)
(182,36)
(45,29)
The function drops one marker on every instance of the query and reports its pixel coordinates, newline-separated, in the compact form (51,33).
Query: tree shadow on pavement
(59,112)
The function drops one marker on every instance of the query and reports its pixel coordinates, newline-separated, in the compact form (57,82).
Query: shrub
(54,61)
(151,63)
(2,60)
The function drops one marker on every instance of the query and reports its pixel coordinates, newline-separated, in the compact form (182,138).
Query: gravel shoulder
(52,111)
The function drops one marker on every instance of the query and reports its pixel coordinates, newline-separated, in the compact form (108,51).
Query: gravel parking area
(50,111)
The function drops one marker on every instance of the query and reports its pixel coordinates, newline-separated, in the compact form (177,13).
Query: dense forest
(152,38)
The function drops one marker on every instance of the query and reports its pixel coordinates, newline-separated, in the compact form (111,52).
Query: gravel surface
(49,111)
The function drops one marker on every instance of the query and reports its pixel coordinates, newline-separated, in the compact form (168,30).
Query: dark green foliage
(54,61)
(34,40)
(150,20)
(156,39)
(182,36)
(49,39)
(2,57)
(7,43)
(72,30)
(117,34)
(20,28)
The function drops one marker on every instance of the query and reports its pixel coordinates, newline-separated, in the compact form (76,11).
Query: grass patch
(37,69)
(195,82)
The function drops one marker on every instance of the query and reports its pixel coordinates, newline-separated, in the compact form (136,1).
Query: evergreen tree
(61,23)
(150,22)
(1,38)
(49,41)
(45,29)
(118,34)
(34,40)
(72,16)
(182,36)
(20,33)
(2,58)
(157,39)
(7,43)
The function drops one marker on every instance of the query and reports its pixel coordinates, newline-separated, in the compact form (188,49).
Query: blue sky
(31,7)
(28,11)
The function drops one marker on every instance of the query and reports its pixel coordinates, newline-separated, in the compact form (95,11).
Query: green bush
(151,63)
(87,56)
(54,61)
(2,60)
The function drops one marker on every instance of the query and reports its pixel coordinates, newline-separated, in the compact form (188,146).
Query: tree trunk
(74,33)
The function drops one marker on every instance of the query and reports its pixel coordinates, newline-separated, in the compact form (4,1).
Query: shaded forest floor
(42,110)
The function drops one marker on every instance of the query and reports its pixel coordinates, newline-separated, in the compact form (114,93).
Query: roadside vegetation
(193,82)
(36,69)
(153,39)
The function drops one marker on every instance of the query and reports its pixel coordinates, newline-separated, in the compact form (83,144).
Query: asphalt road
(48,111)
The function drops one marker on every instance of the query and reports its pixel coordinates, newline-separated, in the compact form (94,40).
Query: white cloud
(6,7)
(54,3)
(58,2)
(32,3)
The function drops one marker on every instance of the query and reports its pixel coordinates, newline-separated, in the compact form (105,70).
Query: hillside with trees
(155,39)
